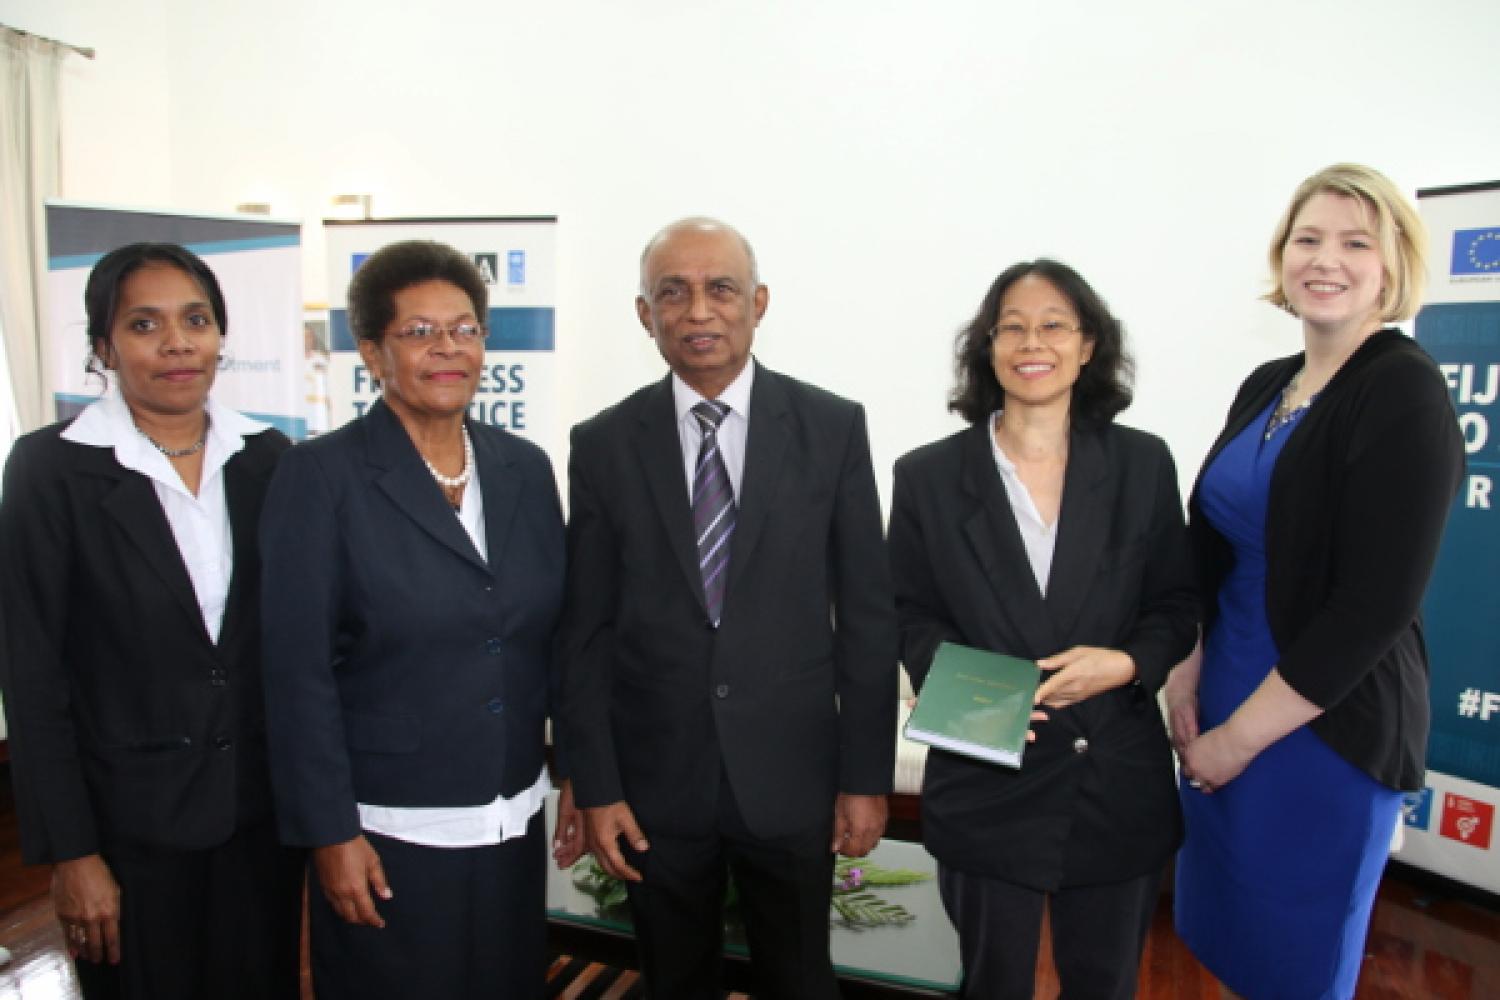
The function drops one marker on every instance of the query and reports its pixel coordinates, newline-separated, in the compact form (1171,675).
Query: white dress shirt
(733,432)
(496,821)
(200,524)
(1039,537)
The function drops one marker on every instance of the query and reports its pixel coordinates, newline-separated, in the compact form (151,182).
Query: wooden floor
(1424,944)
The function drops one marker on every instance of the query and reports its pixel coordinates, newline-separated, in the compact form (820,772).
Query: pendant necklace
(1285,412)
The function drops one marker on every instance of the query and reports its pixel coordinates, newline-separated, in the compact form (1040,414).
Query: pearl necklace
(191,449)
(461,480)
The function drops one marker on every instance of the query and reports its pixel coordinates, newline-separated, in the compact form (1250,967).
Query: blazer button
(223,742)
(495,705)
(1080,745)
(492,646)
(217,678)
(722,691)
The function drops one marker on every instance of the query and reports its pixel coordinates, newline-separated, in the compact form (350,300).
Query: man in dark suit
(728,638)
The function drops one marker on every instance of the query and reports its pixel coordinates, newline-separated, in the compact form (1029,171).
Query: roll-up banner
(259,266)
(1451,823)
(516,257)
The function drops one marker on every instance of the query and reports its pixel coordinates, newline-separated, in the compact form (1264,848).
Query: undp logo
(515,267)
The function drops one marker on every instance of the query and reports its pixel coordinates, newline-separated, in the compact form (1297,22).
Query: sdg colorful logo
(1467,820)
(1416,809)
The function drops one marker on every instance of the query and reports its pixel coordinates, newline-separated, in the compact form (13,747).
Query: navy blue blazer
(402,669)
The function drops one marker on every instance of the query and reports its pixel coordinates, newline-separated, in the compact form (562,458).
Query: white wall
(887,158)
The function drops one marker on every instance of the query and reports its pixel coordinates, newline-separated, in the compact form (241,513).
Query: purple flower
(852,880)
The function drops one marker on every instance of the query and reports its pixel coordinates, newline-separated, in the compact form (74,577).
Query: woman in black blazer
(1046,531)
(413,578)
(1315,523)
(131,585)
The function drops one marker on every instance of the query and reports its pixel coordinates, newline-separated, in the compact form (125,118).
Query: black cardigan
(1357,505)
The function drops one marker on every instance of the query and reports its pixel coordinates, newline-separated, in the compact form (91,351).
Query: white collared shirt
(200,524)
(1039,537)
(461,826)
(471,515)
(733,432)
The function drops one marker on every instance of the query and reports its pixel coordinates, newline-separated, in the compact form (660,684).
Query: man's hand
(348,872)
(858,822)
(87,900)
(567,835)
(604,826)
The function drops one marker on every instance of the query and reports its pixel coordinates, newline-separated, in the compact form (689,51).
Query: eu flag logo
(1476,251)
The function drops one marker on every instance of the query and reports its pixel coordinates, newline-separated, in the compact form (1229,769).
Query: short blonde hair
(1397,229)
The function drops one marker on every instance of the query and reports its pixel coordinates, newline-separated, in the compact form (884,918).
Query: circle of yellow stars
(1475,255)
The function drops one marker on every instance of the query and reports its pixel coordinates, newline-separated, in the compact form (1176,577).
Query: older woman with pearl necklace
(414,563)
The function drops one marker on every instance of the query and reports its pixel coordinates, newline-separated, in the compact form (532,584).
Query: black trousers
(223,922)
(464,922)
(1098,934)
(784,886)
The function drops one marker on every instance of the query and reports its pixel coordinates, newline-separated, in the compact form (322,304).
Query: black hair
(101,294)
(372,290)
(1103,388)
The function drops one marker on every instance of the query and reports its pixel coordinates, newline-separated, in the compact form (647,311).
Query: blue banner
(1463,602)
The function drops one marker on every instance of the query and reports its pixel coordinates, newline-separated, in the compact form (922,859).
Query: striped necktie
(713,508)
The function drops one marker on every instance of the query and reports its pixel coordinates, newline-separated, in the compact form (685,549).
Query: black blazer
(127,724)
(401,668)
(795,692)
(1094,800)
(1358,501)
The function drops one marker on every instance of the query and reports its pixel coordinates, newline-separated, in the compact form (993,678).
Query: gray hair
(699,222)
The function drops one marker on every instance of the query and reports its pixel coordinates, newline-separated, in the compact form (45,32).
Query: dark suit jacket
(795,692)
(1355,514)
(401,668)
(127,723)
(1094,800)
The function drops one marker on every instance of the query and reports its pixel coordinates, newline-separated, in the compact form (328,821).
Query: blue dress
(1278,873)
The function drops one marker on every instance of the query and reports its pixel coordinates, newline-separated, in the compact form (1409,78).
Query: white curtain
(29,153)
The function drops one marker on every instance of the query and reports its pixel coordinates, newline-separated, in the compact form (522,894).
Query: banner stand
(1451,825)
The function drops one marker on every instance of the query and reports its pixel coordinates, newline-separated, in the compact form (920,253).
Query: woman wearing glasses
(1315,524)
(1046,531)
(413,573)
(130,579)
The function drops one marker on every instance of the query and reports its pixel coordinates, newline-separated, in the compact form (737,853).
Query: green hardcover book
(976,703)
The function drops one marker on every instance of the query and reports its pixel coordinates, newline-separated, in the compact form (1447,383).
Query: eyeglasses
(1051,332)
(462,333)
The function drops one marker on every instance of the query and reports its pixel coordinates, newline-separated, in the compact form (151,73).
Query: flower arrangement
(857,906)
